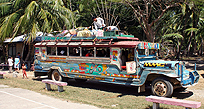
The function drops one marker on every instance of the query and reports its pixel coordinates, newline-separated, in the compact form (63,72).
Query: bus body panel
(138,67)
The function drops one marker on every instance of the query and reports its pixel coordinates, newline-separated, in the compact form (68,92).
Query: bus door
(115,54)
(131,64)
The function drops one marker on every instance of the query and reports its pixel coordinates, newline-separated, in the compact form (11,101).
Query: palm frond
(6,28)
(21,3)
(31,10)
(189,30)
(5,8)
(172,35)
(19,25)
(66,21)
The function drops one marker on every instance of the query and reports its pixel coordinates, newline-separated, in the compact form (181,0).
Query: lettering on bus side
(157,65)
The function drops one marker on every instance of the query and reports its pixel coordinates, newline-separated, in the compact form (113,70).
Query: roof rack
(94,38)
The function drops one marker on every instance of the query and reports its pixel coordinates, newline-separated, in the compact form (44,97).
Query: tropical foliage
(175,22)
(29,17)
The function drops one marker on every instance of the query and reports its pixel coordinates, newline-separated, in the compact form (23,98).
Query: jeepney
(113,59)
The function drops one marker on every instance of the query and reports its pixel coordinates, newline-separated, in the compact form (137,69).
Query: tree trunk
(28,58)
(22,52)
(4,53)
(149,34)
(29,51)
(189,45)
(178,50)
(201,52)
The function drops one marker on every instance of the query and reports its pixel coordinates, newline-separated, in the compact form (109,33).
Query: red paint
(82,72)
(113,79)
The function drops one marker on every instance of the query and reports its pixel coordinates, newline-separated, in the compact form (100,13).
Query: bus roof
(51,38)
(127,42)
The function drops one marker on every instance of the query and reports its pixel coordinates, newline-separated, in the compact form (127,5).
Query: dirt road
(195,92)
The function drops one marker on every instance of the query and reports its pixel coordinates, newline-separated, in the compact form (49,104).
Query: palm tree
(29,17)
(195,24)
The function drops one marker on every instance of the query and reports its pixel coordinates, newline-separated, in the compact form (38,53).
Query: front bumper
(191,80)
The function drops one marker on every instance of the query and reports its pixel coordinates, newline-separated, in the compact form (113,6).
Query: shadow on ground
(40,78)
(151,107)
(182,94)
(123,90)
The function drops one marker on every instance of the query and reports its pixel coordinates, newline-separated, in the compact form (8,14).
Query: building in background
(18,44)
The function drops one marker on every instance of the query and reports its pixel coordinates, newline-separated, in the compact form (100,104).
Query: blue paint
(112,73)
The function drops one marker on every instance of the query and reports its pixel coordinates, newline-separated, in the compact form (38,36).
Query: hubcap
(56,76)
(160,88)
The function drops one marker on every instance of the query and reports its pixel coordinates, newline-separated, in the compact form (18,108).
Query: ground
(109,95)
(195,92)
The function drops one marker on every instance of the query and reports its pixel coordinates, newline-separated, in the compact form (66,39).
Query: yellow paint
(84,65)
(98,78)
(154,64)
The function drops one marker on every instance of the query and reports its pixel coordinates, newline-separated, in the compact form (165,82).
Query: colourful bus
(116,60)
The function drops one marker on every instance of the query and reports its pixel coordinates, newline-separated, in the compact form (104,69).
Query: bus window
(51,51)
(102,52)
(152,52)
(124,57)
(130,54)
(74,51)
(62,51)
(88,51)
(127,55)
(141,52)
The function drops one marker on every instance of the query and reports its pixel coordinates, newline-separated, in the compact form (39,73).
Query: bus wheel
(162,87)
(56,76)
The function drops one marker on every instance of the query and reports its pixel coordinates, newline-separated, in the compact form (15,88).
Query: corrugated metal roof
(16,39)
(22,38)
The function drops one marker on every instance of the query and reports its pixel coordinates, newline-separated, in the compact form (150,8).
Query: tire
(56,76)
(162,87)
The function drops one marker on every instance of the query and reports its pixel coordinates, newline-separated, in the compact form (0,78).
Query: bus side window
(124,57)
(88,51)
(74,51)
(141,52)
(127,55)
(51,51)
(62,51)
(131,54)
(102,52)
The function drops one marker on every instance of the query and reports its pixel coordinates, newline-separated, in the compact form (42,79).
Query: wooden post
(155,105)
(60,88)
(1,76)
(48,87)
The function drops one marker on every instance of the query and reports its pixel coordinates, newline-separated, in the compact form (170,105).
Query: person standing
(98,23)
(10,64)
(17,63)
(19,56)
(24,71)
